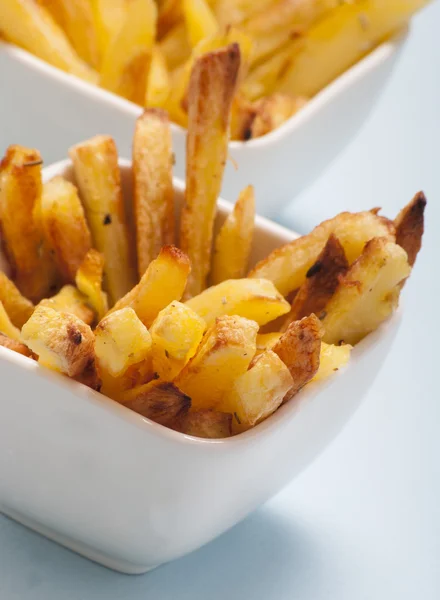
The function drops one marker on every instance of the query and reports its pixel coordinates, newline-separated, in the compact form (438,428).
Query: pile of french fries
(167,320)
(144,50)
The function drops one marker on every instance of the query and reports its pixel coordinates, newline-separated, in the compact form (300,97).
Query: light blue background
(364,521)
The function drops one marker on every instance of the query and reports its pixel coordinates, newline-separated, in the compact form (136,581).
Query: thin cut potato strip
(159,82)
(409,225)
(272,111)
(88,280)
(16,305)
(199,19)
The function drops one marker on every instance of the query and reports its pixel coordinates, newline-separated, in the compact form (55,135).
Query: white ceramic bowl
(279,164)
(131,494)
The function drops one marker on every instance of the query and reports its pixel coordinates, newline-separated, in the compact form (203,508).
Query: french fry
(367,294)
(233,242)
(6,325)
(321,282)
(64,225)
(210,94)
(211,424)
(199,20)
(163,281)
(99,180)
(299,348)
(160,401)
(225,353)
(287,266)
(175,46)
(70,300)
(15,345)
(176,333)
(29,25)
(170,12)
(16,305)
(255,299)
(331,359)
(108,17)
(242,115)
(61,341)
(409,225)
(159,83)
(23,240)
(264,77)
(88,280)
(153,192)
(272,111)
(126,63)
(235,12)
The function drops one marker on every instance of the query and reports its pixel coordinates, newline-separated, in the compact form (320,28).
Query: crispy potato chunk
(23,239)
(153,190)
(332,358)
(70,300)
(272,111)
(258,392)
(88,280)
(210,93)
(287,266)
(90,377)
(61,341)
(211,424)
(16,305)
(255,299)
(65,226)
(6,325)
(99,180)
(321,282)
(163,281)
(225,353)
(234,240)
(160,401)
(176,333)
(299,349)
(410,225)
(15,345)
(367,294)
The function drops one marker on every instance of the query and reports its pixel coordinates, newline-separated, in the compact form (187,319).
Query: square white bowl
(131,494)
(52,110)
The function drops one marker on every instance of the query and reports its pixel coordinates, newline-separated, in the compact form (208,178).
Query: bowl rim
(366,64)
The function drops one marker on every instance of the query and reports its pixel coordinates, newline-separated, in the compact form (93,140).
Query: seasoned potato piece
(17,306)
(321,282)
(234,240)
(265,341)
(15,345)
(272,111)
(99,180)
(255,299)
(287,266)
(160,401)
(225,353)
(176,333)
(332,358)
(258,392)
(89,281)
(299,349)
(210,94)
(126,62)
(64,225)
(23,239)
(159,83)
(367,294)
(163,282)
(70,300)
(410,225)
(6,326)
(153,191)
(61,341)
(199,19)
(210,424)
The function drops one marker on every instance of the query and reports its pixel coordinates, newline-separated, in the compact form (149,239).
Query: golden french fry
(263,78)
(64,225)
(16,305)
(367,294)
(16,346)
(126,63)
(98,177)
(210,94)
(163,281)
(70,300)
(210,424)
(108,17)
(175,46)
(159,83)
(409,225)
(153,192)
(287,266)
(170,13)
(61,341)
(255,299)
(29,25)
(272,111)
(160,401)
(89,281)
(243,113)
(331,359)
(23,240)
(233,243)
(235,12)
(6,325)
(199,20)
(225,353)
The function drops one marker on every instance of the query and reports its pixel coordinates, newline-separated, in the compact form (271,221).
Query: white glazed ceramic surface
(131,494)
(279,165)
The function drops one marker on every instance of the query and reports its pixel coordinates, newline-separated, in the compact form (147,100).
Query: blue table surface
(363,522)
